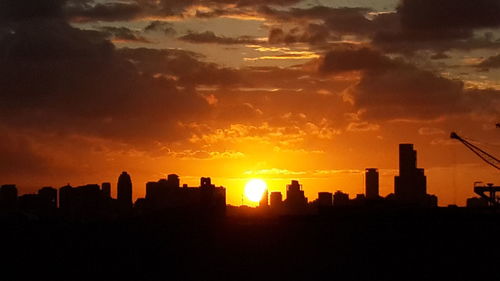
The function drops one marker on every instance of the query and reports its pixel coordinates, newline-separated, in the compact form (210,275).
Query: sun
(254,189)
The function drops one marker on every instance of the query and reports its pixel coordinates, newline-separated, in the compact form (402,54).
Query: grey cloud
(210,37)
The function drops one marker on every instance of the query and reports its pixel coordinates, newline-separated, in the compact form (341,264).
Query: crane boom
(485,156)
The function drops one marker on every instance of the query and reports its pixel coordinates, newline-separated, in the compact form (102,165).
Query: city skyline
(277,90)
(409,190)
(370,185)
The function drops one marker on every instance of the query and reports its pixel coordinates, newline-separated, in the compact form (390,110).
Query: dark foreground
(344,245)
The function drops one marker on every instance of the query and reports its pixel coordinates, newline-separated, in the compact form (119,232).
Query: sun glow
(254,189)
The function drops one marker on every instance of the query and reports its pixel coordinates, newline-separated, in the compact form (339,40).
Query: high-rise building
(371,184)
(106,189)
(276,199)
(264,201)
(124,187)
(8,197)
(48,197)
(410,186)
(340,199)
(325,199)
(173,180)
(65,197)
(295,199)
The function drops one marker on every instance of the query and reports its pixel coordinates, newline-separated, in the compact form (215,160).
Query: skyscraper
(325,199)
(106,189)
(264,201)
(48,197)
(410,186)
(124,187)
(276,199)
(371,184)
(8,197)
(295,200)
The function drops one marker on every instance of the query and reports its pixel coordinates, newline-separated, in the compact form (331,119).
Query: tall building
(173,180)
(371,184)
(168,194)
(8,197)
(264,201)
(295,199)
(124,187)
(410,186)
(276,199)
(65,197)
(106,189)
(325,199)
(340,199)
(48,197)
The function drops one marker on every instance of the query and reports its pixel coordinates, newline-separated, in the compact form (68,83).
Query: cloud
(314,34)
(57,78)
(206,155)
(362,127)
(161,26)
(274,172)
(426,131)
(20,157)
(342,60)
(12,11)
(491,62)
(449,15)
(182,67)
(123,34)
(210,37)
(394,89)
(441,25)
(89,11)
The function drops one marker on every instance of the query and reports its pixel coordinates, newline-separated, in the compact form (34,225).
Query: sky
(316,91)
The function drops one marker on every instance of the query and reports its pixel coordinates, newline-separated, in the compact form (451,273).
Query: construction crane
(487,192)
(488,158)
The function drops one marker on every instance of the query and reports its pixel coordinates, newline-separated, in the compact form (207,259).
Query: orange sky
(235,90)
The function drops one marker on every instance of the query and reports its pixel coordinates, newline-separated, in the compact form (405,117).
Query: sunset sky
(238,89)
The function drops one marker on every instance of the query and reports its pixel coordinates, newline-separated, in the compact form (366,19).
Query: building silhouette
(168,194)
(8,197)
(106,189)
(410,186)
(264,201)
(340,199)
(325,199)
(295,201)
(65,197)
(124,189)
(371,184)
(48,197)
(276,200)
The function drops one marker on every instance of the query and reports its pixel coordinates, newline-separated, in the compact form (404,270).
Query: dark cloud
(113,11)
(12,11)
(90,10)
(364,59)
(123,34)
(161,26)
(440,26)
(491,62)
(337,20)
(19,156)
(182,67)
(314,34)
(57,78)
(394,89)
(449,15)
(410,41)
(210,37)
